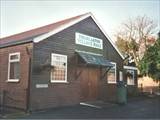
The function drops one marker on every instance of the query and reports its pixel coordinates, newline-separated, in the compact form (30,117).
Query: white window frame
(131,83)
(12,61)
(59,81)
(120,76)
(115,81)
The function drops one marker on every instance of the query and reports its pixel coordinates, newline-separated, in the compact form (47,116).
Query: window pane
(59,63)
(111,75)
(14,70)
(13,57)
(58,73)
(130,77)
(58,58)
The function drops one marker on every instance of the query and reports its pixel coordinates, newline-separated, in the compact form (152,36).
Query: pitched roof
(39,34)
(37,31)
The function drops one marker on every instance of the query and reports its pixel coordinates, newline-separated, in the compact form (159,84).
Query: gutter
(15,43)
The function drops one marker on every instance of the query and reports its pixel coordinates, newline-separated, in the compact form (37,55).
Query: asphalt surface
(140,108)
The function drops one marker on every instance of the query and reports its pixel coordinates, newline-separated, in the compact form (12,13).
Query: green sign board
(88,41)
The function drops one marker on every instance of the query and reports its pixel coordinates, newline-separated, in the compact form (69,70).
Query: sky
(18,16)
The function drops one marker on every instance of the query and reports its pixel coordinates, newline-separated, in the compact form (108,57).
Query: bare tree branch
(137,30)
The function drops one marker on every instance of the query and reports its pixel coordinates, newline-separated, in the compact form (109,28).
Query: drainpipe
(2,103)
(28,88)
(29,79)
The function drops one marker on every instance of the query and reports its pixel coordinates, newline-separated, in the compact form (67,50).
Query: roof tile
(37,31)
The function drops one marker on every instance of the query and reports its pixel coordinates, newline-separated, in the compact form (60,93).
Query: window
(120,76)
(111,75)
(14,67)
(130,77)
(59,70)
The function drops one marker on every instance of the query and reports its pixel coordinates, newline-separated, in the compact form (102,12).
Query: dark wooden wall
(60,94)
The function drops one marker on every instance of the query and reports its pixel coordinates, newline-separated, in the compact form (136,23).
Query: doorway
(89,84)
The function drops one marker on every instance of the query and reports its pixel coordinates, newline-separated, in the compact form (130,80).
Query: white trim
(59,81)
(10,61)
(88,52)
(12,80)
(107,36)
(16,53)
(109,82)
(130,67)
(62,27)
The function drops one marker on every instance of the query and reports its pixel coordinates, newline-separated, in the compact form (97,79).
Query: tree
(150,63)
(135,36)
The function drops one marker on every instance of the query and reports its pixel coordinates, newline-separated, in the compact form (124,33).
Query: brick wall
(147,84)
(15,92)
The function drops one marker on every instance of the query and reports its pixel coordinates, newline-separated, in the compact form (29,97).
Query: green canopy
(96,60)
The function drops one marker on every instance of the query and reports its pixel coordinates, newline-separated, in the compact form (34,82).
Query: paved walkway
(135,108)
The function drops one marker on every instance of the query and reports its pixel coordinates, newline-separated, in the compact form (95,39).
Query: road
(141,108)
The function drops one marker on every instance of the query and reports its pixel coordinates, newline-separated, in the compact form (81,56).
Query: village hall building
(60,64)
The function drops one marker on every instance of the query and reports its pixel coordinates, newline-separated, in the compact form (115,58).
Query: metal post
(141,88)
